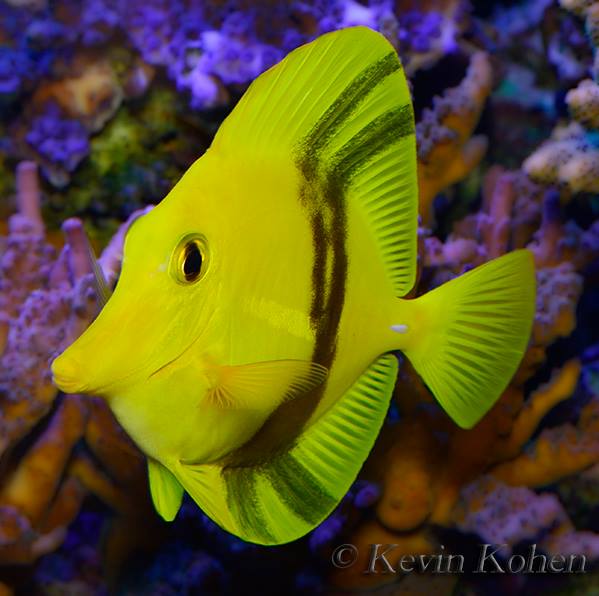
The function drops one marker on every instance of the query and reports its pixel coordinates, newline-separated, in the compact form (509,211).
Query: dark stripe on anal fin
(243,502)
(298,489)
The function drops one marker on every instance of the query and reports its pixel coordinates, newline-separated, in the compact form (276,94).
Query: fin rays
(477,328)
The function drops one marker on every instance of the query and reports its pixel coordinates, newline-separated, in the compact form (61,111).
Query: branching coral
(570,158)
(434,475)
(447,151)
(47,440)
(489,505)
(68,73)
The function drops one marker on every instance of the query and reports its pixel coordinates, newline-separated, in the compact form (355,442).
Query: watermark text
(490,559)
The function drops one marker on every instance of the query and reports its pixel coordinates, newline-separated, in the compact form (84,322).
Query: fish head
(164,301)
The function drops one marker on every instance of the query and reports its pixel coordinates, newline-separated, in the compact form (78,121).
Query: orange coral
(568,159)
(45,303)
(430,463)
(447,151)
(91,93)
(434,474)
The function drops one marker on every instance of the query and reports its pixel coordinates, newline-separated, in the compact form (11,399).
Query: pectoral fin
(285,497)
(263,385)
(166,491)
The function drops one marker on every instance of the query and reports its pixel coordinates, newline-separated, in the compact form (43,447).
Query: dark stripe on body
(322,193)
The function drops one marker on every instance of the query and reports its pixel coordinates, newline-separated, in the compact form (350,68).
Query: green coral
(7,183)
(135,160)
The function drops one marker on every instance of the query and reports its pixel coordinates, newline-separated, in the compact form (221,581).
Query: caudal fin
(467,337)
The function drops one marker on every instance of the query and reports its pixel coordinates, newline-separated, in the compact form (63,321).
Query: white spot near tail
(399,328)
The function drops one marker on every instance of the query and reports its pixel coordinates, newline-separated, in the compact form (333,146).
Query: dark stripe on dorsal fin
(375,137)
(310,147)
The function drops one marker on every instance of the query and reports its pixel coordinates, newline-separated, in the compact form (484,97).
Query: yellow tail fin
(467,337)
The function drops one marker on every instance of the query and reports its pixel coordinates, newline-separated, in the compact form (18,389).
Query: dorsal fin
(339,110)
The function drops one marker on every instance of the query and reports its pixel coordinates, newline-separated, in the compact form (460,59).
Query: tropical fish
(248,345)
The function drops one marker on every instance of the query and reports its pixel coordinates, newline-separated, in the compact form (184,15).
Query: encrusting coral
(55,449)
(570,158)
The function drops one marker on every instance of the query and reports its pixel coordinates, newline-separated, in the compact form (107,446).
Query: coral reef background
(105,103)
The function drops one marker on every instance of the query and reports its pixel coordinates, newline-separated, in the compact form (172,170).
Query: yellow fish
(247,348)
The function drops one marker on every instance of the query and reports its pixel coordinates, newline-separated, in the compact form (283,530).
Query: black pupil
(193,261)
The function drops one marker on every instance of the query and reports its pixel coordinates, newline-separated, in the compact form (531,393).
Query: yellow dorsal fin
(263,385)
(339,110)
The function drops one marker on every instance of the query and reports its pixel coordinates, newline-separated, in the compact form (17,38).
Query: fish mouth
(63,377)
(66,375)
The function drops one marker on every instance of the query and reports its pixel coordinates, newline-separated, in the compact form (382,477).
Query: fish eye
(190,259)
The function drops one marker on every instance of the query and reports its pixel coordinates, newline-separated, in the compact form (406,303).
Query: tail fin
(469,335)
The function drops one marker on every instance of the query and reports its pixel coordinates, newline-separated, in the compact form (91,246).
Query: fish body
(272,309)
(246,347)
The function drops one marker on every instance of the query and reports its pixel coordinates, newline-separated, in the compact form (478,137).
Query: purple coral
(367,493)
(152,27)
(13,63)
(98,20)
(418,30)
(327,531)
(198,51)
(234,61)
(58,139)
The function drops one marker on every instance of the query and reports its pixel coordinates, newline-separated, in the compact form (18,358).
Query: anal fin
(285,497)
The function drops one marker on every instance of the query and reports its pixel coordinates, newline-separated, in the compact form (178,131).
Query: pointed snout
(67,374)
(115,351)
